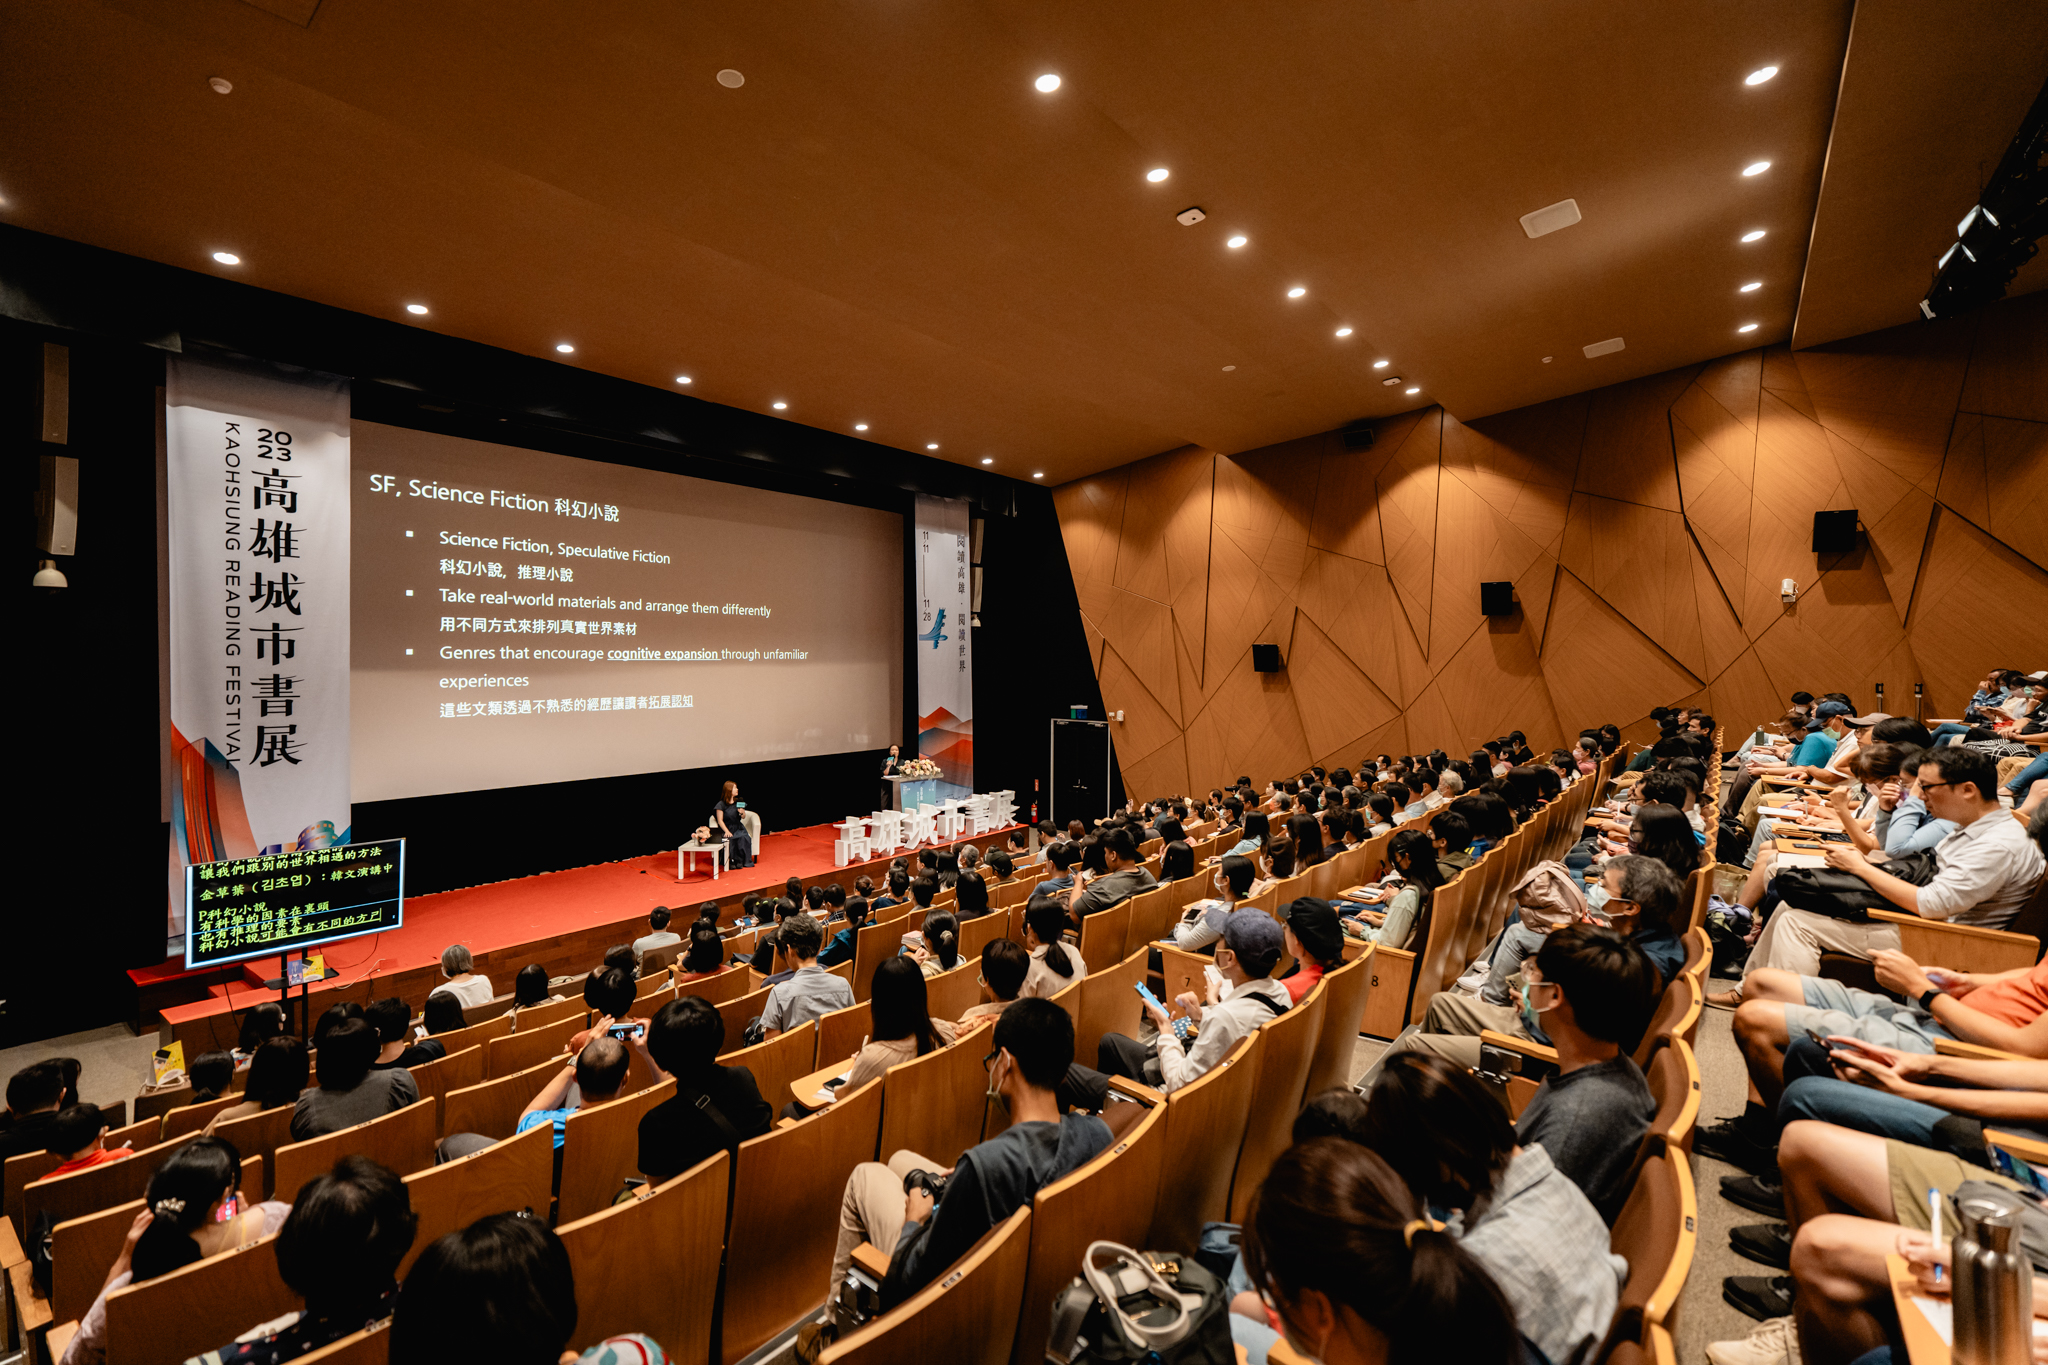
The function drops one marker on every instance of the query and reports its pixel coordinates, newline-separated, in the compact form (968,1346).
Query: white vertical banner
(945,661)
(257,485)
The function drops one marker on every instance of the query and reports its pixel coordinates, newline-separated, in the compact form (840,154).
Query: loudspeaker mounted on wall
(1497,599)
(1834,533)
(1265,658)
(1358,435)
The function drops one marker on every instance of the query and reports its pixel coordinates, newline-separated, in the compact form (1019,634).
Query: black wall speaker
(1834,533)
(1265,658)
(1358,436)
(1497,599)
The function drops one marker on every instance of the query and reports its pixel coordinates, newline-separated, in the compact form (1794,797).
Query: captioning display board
(241,908)
(521,617)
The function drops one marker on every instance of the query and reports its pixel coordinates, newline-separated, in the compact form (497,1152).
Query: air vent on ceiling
(1607,347)
(1562,214)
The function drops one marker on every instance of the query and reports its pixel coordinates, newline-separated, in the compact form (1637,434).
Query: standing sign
(945,665)
(257,468)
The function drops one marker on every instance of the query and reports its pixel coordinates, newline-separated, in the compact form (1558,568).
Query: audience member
(811,991)
(79,1136)
(840,949)
(1246,957)
(1055,964)
(1314,939)
(903,1028)
(393,1021)
(1004,965)
(350,1092)
(714,1109)
(1124,875)
(1405,921)
(1201,924)
(212,1074)
(463,982)
(660,935)
(598,1072)
(706,955)
(970,897)
(531,987)
(277,1077)
(443,1014)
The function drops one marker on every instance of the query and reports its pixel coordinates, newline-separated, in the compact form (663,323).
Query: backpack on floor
(1130,1306)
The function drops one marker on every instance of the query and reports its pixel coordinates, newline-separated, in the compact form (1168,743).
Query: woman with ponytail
(941,930)
(1406,920)
(1347,1260)
(181,1222)
(1054,965)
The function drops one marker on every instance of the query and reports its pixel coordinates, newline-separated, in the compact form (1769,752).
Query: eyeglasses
(1930,786)
(989,1060)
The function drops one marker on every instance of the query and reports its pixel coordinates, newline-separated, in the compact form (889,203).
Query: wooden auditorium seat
(259,1135)
(717,988)
(1287,1047)
(505,1177)
(189,1118)
(934,1105)
(651,1263)
(1656,1232)
(950,1318)
(781,1060)
(402,1140)
(195,1308)
(70,1196)
(455,1040)
(1204,1119)
(83,1249)
(950,994)
(977,934)
(841,1034)
(736,1012)
(1343,1018)
(530,1047)
(452,1072)
(1109,1004)
(493,1107)
(600,1148)
(1102,936)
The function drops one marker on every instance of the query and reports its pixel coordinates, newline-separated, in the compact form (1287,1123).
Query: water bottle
(1994,1282)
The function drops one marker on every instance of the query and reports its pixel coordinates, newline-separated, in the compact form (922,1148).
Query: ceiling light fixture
(565,348)
(1296,292)
(221,84)
(1751,287)
(1547,359)
(1047,83)
(1381,364)
(932,446)
(988,459)
(1747,327)
(860,426)
(780,406)
(1413,391)
(731,79)
(227,258)
(1228,368)
(1756,168)
(416,309)
(1756,236)
(1391,381)
(1760,75)
(1343,331)
(682,379)
(1235,242)
(1039,475)
(1157,174)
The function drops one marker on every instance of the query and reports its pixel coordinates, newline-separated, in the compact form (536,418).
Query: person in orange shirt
(80,1134)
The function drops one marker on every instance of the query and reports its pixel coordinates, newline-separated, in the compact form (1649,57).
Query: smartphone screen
(627,1033)
(2012,1168)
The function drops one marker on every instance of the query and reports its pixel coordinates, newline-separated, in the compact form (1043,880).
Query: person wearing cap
(1250,949)
(1313,938)
(1822,757)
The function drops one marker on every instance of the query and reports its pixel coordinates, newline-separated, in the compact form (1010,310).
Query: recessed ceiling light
(1156,174)
(417,309)
(1039,475)
(1296,292)
(1343,331)
(682,379)
(1547,359)
(1747,327)
(731,79)
(227,258)
(1228,368)
(988,459)
(1237,241)
(1047,83)
(780,406)
(933,446)
(1760,75)
(1751,287)
(1756,168)
(1381,364)
(565,348)
(860,426)
(221,85)
(1756,236)
(1413,391)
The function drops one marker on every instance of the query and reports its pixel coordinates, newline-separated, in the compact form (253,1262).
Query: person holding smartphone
(597,1072)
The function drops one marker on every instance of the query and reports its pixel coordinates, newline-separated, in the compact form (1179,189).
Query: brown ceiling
(888,224)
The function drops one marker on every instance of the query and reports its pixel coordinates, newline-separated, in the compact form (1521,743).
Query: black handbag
(1129,1306)
(1844,895)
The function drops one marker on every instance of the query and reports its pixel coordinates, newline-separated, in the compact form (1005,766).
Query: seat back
(717,988)
(1345,991)
(651,1264)
(1655,1232)
(876,941)
(493,1107)
(1699,954)
(96,1187)
(841,1034)
(1153,912)
(1181,971)
(783,1186)
(505,1177)
(530,1047)
(259,1135)
(1674,1078)
(83,1249)
(549,1012)
(403,1141)
(436,1078)
(1677,1015)
(1204,1118)
(1102,936)
(455,1040)
(196,1308)
(950,994)
(735,1012)
(779,1062)
(1109,1004)
(190,1118)
(21,1172)
(934,1104)
(371,1346)
(951,1318)
(1284,1057)
(978,933)
(1110,1199)
(600,1148)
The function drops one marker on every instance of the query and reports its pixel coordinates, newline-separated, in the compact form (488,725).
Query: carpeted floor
(1703,1315)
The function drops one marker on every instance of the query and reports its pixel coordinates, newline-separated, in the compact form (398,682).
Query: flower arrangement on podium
(922,768)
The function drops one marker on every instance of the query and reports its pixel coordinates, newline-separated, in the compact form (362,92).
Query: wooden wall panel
(1645,526)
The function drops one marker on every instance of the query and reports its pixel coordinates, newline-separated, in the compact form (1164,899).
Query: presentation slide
(521,617)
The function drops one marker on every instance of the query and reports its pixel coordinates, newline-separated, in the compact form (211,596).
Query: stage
(563,920)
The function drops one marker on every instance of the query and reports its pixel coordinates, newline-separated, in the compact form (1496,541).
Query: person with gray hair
(464,982)
(1449,783)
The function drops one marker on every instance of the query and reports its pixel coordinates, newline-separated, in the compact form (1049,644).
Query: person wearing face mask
(923,1234)
(1201,924)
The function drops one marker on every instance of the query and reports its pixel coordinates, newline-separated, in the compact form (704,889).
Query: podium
(907,793)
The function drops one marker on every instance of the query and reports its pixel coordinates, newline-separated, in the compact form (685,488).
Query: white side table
(686,858)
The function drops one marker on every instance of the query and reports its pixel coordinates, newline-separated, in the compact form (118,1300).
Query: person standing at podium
(891,766)
(739,846)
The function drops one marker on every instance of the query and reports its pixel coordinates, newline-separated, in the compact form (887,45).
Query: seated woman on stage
(739,846)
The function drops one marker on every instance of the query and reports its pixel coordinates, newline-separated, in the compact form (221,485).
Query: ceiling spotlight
(1047,83)
(1412,391)
(932,446)
(731,79)
(1343,331)
(1756,236)
(221,84)
(860,426)
(1381,364)
(1760,75)
(1747,327)
(1237,241)
(1156,174)
(1039,475)
(416,309)
(682,379)
(1228,368)
(1547,359)
(988,459)
(1296,292)
(227,258)
(780,406)
(1751,287)
(565,348)
(1756,168)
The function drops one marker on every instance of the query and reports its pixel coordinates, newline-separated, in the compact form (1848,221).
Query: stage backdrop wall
(1645,526)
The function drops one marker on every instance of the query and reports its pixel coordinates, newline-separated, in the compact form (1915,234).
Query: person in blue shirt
(598,1072)
(1059,857)
(898,892)
(1904,824)
(840,949)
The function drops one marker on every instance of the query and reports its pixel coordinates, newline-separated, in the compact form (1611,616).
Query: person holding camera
(925,1219)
